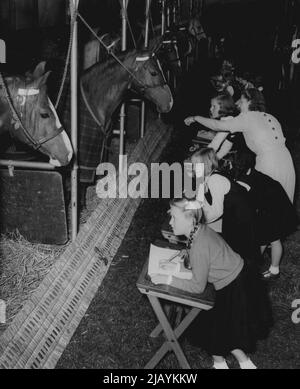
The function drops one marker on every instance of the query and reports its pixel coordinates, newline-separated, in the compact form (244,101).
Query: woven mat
(40,332)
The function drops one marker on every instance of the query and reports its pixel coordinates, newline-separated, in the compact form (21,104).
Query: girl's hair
(244,162)
(207,156)
(227,105)
(183,203)
(256,98)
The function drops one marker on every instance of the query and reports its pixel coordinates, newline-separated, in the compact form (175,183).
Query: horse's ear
(42,80)
(39,70)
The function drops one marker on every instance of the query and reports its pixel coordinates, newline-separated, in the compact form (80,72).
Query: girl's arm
(216,143)
(200,262)
(225,148)
(218,186)
(237,124)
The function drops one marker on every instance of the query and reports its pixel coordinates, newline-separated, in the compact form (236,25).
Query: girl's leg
(276,254)
(219,362)
(262,249)
(276,250)
(243,360)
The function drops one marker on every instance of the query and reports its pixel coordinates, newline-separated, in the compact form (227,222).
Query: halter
(24,93)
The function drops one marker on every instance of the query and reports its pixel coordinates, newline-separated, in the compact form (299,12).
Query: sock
(274,269)
(247,364)
(220,365)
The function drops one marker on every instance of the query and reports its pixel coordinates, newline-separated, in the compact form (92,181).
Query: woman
(241,314)
(263,135)
(275,214)
(227,208)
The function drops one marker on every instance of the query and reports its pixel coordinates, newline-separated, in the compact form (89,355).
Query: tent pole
(74,122)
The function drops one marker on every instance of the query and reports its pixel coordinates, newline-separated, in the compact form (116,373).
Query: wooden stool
(195,303)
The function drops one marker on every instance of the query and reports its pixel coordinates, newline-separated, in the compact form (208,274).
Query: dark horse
(103,87)
(28,114)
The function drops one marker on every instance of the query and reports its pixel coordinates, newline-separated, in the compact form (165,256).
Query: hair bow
(193,205)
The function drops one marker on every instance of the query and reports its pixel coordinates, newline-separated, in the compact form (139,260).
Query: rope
(72,24)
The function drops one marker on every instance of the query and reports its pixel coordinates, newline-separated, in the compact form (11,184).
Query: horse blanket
(90,136)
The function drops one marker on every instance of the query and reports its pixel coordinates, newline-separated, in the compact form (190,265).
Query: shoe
(247,365)
(220,365)
(268,276)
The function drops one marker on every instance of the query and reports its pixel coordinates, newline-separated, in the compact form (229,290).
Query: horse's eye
(154,74)
(45,115)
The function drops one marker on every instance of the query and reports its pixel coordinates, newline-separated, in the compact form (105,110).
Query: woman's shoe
(220,365)
(247,365)
(268,276)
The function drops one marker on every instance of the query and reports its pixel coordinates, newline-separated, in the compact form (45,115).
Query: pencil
(173,256)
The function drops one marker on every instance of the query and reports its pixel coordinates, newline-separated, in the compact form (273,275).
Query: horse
(184,43)
(102,89)
(27,113)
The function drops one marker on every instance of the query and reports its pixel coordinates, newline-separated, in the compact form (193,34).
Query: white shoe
(220,365)
(247,364)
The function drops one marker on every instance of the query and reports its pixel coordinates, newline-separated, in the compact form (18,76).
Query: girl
(223,108)
(227,208)
(263,136)
(241,313)
(275,215)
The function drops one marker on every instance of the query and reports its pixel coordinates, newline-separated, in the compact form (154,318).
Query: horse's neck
(104,88)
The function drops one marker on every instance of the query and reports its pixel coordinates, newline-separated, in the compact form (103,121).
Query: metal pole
(179,11)
(174,12)
(163,17)
(168,15)
(74,122)
(191,8)
(146,44)
(25,164)
(122,111)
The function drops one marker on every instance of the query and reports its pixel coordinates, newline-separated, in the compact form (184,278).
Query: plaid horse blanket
(90,136)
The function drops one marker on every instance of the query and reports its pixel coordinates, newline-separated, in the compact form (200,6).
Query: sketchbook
(159,263)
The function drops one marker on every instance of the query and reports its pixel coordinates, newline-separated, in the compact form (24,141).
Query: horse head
(149,80)
(195,28)
(41,128)
(168,53)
